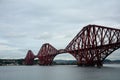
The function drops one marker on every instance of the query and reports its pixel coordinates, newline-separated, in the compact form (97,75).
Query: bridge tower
(47,54)
(93,44)
(29,59)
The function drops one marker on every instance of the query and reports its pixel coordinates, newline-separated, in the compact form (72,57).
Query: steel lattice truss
(94,43)
(29,59)
(90,46)
(46,54)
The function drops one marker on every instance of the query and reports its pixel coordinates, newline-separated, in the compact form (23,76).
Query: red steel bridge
(90,47)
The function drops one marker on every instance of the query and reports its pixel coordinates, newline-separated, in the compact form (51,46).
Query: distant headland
(10,62)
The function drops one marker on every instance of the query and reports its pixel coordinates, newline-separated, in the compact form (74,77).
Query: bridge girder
(29,59)
(90,46)
(94,43)
(46,54)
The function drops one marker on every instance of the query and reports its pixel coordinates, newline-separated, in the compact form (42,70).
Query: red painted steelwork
(47,54)
(29,59)
(90,46)
(93,44)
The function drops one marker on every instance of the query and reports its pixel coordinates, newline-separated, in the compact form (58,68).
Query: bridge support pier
(29,62)
(46,60)
(99,64)
(92,64)
(82,64)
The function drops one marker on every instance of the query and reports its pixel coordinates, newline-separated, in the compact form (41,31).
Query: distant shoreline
(7,62)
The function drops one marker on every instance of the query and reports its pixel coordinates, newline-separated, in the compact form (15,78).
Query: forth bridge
(90,47)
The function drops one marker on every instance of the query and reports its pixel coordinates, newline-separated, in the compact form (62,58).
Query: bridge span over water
(90,47)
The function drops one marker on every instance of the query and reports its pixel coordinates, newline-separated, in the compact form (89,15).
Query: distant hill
(107,61)
(65,62)
(73,62)
(55,62)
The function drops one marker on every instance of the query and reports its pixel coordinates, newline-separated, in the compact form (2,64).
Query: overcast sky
(27,24)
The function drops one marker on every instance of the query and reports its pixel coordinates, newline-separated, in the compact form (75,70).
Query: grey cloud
(33,22)
(15,35)
(44,35)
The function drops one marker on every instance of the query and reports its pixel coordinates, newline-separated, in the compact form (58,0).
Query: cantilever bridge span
(90,47)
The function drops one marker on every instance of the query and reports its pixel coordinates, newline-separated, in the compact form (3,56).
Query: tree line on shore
(55,62)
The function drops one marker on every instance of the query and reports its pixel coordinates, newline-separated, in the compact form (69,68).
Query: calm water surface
(60,72)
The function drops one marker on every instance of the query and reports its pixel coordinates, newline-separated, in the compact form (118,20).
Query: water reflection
(59,72)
